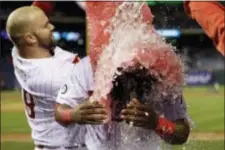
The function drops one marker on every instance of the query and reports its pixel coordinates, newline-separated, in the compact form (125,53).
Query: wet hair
(133,84)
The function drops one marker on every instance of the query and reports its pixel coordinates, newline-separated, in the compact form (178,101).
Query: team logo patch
(64,89)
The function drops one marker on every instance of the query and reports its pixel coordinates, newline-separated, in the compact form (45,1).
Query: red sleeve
(46,6)
(210,16)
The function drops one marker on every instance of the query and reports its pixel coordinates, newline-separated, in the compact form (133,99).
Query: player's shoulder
(83,65)
(23,64)
(65,55)
(60,52)
(31,61)
(82,70)
(82,75)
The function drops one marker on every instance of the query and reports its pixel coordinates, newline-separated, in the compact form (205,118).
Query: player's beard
(53,44)
(47,43)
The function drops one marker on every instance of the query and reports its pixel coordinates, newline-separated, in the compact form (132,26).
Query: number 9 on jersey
(29,104)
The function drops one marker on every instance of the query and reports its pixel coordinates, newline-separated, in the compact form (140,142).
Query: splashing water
(125,38)
(133,41)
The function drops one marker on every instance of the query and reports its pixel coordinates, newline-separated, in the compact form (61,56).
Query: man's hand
(90,113)
(85,113)
(140,115)
(175,132)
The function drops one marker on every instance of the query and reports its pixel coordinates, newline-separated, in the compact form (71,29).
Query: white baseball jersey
(40,80)
(113,136)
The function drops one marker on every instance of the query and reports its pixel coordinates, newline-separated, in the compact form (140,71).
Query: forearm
(210,16)
(46,6)
(64,114)
(84,113)
(178,136)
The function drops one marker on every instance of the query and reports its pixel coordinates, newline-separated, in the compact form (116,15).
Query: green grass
(14,122)
(8,97)
(17,146)
(201,145)
(205,108)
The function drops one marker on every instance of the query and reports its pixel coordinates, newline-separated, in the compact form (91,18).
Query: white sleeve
(177,110)
(79,84)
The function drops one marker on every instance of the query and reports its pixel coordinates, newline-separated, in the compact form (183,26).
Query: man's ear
(30,39)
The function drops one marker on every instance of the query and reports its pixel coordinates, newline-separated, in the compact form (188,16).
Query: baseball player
(41,68)
(171,124)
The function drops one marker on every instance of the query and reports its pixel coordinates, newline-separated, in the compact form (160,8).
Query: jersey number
(29,102)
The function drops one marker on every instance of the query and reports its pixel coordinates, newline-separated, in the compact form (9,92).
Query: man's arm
(173,132)
(210,16)
(46,6)
(180,132)
(85,113)
(176,112)
(73,106)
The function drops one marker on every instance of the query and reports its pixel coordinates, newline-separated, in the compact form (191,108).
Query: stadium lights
(169,32)
(68,36)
